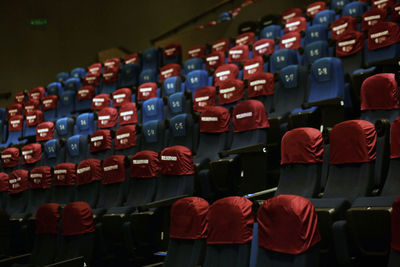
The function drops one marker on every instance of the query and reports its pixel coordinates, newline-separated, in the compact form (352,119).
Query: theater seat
(64,180)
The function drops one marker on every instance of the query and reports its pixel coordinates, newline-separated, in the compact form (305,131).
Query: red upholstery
(214,120)
(176,160)
(77,219)
(144,164)
(114,169)
(64,174)
(47,219)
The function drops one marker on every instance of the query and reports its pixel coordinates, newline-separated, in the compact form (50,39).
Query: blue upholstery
(271,32)
(339,4)
(224,16)
(177,104)
(151,58)
(85,124)
(314,51)
(77,149)
(153,136)
(64,127)
(354,9)
(62,76)
(195,80)
(374,57)
(66,104)
(318,32)
(171,85)
(283,58)
(78,73)
(53,153)
(55,88)
(152,109)
(183,131)
(129,75)
(325,17)
(73,84)
(193,64)
(147,75)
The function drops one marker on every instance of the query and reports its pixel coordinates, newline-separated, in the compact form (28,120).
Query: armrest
(78,261)
(261,193)
(161,203)
(337,101)
(155,264)
(246,149)
(16,259)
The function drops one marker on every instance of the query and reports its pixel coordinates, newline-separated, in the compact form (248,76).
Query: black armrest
(16,259)
(246,149)
(337,101)
(78,261)
(161,203)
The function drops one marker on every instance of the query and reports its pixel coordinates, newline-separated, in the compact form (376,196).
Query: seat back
(64,181)
(129,75)
(271,32)
(18,194)
(151,58)
(101,144)
(65,127)
(147,91)
(78,73)
(53,153)
(88,177)
(195,63)
(107,118)
(172,53)
(354,9)
(85,124)
(49,107)
(352,158)
(147,75)
(152,109)
(349,48)
(77,148)
(314,51)
(55,88)
(10,159)
(325,17)
(62,77)
(282,58)
(177,103)
(195,80)
(66,104)
(15,130)
(40,179)
(204,97)
(170,70)
(197,51)
(31,155)
(153,136)
(126,141)
(184,132)
(73,84)
(230,227)
(171,85)
(84,97)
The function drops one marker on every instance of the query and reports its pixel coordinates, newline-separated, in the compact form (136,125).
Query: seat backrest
(129,75)
(301,157)
(263,47)
(45,131)
(18,194)
(339,4)
(183,131)
(197,51)
(32,119)
(172,53)
(326,79)
(352,158)
(196,79)
(314,51)
(325,17)
(282,246)
(126,141)
(153,136)
(349,48)
(290,40)
(107,118)
(172,85)
(372,17)
(380,98)
(343,25)
(238,53)
(151,58)
(55,88)
(392,184)
(187,237)
(271,32)
(64,180)
(121,96)
(66,104)
(53,153)
(62,76)
(261,87)
(177,103)
(101,101)
(394,256)
(31,155)
(147,75)
(40,179)
(85,124)
(73,84)
(65,127)
(88,180)
(282,58)
(78,73)
(147,91)
(101,144)
(250,121)
(318,32)
(230,227)
(170,70)
(195,63)
(15,129)
(230,91)
(77,148)
(204,97)
(314,8)
(220,45)
(354,9)
(177,173)
(127,114)
(214,60)
(10,159)
(49,107)
(225,72)
(152,109)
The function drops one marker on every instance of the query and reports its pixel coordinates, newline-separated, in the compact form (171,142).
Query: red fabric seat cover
(86,92)
(107,118)
(372,17)
(224,73)
(214,60)
(18,181)
(77,219)
(100,140)
(172,50)
(31,153)
(45,131)
(88,171)
(4,182)
(170,70)
(238,53)
(220,45)
(249,115)
(144,164)
(147,91)
(204,97)
(176,160)
(125,137)
(263,47)
(15,123)
(230,91)
(40,178)
(198,51)
(14,110)
(101,101)
(121,96)
(349,43)
(47,219)
(260,84)
(253,67)
(214,119)
(64,174)
(128,114)
(10,157)
(382,35)
(49,102)
(314,8)
(114,169)
(246,38)
(343,25)
(296,24)
(33,118)
(291,13)
(291,40)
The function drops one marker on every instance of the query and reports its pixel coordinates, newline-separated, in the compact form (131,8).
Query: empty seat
(177,103)
(291,40)
(187,237)
(253,67)
(204,97)
(183,131)
(121,96)
(147,91)
(195,80)
(318,32)
(53,153)
(293,246)
(77,148)
(194,63)
(85,124)
(301,159)
(172,53)
(126,141)
(261,87)
(18,193)
(15,129)
(31,105)
(151,58)
(313,8)
(380,98)
(354,9)
(153,136)
(129,75)
(127,114)
(45,131)
(40,179)
(337,5)
(101,145)
(282,58)
(230,92)
(55,88)
(78,73)
(62,76)
(343,25)
(349,48)
(133,59)
(147,75)
(31,155)
(246,38)
(49,107)
(19,98)
(230,231)
(238,53)
(37,93)
(88,179)
(32,119)
(172,85)
(84,97)
(107,118)
(298,24)
(372,17)
(152,109)
(271,32)
(314,51)
(110,80)
(95,68)
(14,110)
(64,180)
(65,127)
(73,84)
(93,79)
(101,101)
(325,17)
(170,70)
(263,47)
(66,104)
(197,51)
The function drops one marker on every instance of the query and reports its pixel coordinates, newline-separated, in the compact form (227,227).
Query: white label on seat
(96,138)
(126,113)
(227,90)
(345,43)
(257,82)
(119,96)
(293,24)
(110,168)
(167,71)
(290,40)
(44,130)
(222,73)
(194,51)
(98,99)
(311,9)
(235,52)
(372,17)
(140,161)
(27,152)
(104,118)
(121,136)
(261,46)
(379,34)
(209,118)
(212,58)
(82,170)
(146,89)
(252,66)
(289,16)
(244,115)
(47,102)
(60,171)
(169,158)
(36,175)
(218,45)
(203,98)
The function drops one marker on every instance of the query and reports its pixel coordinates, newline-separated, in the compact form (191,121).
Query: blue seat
(195,80)
(55,88)
(129,75)
(172,85)
(314,51)
(349,48)
(152,109)
(183,131)
(65,127)
(301,159)
(354,9)
(62,77)
(187,240)
(224,16)
(66,104)
(282,58)
(337,5)
(77,149)
(177,103)
(73,84)
(318,32)
(85,124)
(32,119)
(151,58)
(271,32)
(110,81)
(193,64)
(379,98)
(101,144)
(232,249)
(325,17)
(78,73)
(147,75)
(294,246)
(153,136)
(53,153)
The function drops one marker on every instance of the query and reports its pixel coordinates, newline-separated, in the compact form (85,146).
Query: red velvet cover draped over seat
(100,140)
(77,219)
(88,171)
(64,174)
(214,120)
(176,160)
(380,92)
(47,219)
(249,115)
(144,164)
